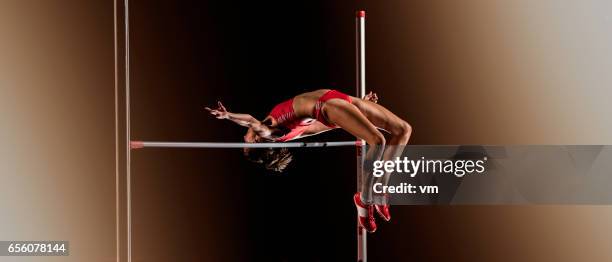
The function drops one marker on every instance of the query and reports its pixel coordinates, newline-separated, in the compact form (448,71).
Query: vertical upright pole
(128,133)
(117,138)
(361,87)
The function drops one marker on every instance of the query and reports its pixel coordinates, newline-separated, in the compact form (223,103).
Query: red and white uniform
(285,116)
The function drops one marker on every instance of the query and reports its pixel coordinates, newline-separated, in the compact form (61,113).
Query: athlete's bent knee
(405,129)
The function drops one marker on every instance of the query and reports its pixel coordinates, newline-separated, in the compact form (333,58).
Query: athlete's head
(276,159)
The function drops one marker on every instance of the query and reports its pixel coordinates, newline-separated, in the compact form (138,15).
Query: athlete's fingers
(214,112)
(221,106)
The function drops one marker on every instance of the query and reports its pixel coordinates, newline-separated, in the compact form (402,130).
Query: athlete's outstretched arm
(245,120)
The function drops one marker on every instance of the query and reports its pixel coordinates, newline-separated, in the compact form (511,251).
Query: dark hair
(275,159)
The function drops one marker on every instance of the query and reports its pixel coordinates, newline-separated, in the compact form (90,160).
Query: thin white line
(360,74)
(127,131)
(117,223)
(147,144)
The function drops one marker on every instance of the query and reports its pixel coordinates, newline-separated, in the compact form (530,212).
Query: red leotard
(285,115)
(331,94)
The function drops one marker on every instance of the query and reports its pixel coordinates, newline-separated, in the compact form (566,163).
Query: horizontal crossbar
(149,144)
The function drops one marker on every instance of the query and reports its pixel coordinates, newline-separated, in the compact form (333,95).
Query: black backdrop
(188,54)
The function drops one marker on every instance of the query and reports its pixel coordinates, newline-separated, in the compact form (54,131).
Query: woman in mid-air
(315,112)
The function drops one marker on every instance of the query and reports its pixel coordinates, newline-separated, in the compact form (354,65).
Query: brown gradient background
(57,126)
(461,72)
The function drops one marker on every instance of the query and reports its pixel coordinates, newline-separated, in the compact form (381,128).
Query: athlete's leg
(381,117)
(399,130)
(348,117)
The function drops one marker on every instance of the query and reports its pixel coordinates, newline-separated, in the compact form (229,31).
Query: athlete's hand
(372,97)
(220,112)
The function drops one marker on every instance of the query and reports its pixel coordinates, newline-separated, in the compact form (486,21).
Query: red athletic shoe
(365,213)
(383,211)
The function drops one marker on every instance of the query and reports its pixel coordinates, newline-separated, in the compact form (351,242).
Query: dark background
(188,55)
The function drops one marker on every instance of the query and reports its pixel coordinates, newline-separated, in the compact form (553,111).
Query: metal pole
(128,132)
(117,139)
(361,91)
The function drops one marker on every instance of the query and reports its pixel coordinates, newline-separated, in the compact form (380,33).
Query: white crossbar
(149,144)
